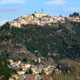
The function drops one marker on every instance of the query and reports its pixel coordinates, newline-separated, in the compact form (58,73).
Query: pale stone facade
(39,15)
(36,18)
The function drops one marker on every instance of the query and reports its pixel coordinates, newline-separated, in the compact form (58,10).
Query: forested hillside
(5,72)
(56,42)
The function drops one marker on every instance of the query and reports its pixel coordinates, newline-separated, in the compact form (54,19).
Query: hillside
(5,72)
(49,42)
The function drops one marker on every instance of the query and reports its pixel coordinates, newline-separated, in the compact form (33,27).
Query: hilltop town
(39,46)
(42,19)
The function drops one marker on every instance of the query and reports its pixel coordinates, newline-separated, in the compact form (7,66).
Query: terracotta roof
(30,77)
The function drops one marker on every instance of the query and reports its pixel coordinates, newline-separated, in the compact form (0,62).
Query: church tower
(42,10)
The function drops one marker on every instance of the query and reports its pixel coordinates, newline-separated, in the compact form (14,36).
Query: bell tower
(42,10)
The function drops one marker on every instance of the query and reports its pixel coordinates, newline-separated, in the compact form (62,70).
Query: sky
(11,9)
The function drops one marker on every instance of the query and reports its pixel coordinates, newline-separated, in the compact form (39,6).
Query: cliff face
(49,42)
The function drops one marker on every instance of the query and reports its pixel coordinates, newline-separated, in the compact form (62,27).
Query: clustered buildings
(41,19)
(36,18)
(28,71)
(74,18)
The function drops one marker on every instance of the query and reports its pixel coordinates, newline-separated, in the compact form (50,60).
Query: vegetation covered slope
(57,42)
(5,72)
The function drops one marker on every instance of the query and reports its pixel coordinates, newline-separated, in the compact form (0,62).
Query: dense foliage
(5,72)
(56,42)
(75,14)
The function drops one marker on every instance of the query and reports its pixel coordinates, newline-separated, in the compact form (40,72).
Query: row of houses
(30,77)
(74,19)
(25,77)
